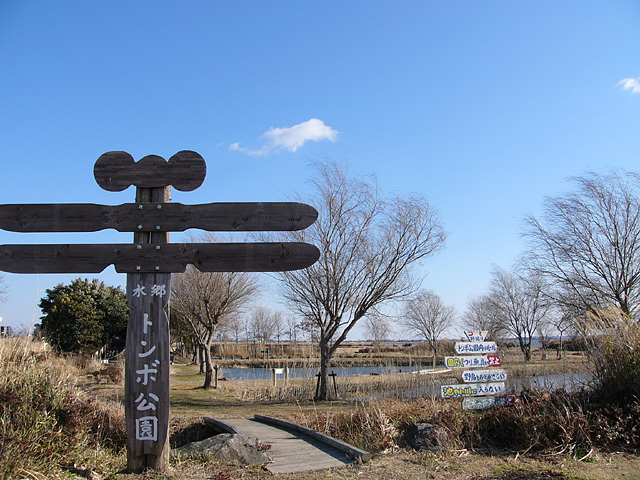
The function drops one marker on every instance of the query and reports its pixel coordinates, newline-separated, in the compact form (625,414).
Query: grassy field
(372,425)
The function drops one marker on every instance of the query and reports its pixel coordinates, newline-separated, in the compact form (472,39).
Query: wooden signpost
(149,262)
(482,388)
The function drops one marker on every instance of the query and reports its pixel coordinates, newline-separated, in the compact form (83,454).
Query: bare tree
(203,300)
(235,325)
(563,320)
(588,243)
(520,304)
(429,317)
(482,314)
(263,324)
(310,329)
(278,326)
(378,327)
(545,332)
(368,245)
(292,328)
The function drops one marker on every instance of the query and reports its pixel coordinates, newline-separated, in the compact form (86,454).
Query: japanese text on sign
(476,347)
(476,336)
(146,370)
(479,403)
(473,361)
(472,390)
(484,376)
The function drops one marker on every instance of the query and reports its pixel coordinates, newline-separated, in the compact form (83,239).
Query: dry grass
(47,425)
(408,465)
(560,429)
(613,339)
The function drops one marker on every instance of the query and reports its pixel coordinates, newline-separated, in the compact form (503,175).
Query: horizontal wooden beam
(156,258)
(157,217)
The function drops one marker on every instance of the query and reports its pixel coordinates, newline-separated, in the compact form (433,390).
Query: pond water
(426,388)
(568,381)
(298,372)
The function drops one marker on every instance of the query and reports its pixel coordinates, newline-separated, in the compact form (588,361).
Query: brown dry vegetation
(558,434)
(407,465)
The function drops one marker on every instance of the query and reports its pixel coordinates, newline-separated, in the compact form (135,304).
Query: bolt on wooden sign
(482,388)
(149,262)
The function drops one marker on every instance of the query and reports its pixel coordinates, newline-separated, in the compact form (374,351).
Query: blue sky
(484,107)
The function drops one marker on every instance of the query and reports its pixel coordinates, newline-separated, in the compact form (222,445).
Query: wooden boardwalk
(291,451)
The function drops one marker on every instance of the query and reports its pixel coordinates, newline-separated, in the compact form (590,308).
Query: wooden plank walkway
(291,451)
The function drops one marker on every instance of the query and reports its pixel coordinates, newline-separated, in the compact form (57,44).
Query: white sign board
(476,376)
(476,347)
(473,361)
(476,335)
(478,403)
(472,390)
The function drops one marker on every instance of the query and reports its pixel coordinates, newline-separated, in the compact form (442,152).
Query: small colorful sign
(476,335)
(480,403)
(475,376)
(476,347)
(472,390)
(483,388)
(473,361)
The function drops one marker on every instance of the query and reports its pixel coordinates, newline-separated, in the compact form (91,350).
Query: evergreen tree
(83,316)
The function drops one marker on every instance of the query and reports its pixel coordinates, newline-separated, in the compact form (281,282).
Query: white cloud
(632,84)
(290,139)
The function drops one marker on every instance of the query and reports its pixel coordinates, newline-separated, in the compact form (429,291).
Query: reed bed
(613,341)
(402,386)
(554,423)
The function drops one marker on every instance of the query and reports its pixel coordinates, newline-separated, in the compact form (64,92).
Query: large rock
(426,437)
(227,448)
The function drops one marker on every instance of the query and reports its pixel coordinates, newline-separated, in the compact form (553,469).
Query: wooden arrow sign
(157,217)
(156,258)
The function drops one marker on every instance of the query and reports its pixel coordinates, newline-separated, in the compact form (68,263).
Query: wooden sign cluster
(149,262)
(482,388)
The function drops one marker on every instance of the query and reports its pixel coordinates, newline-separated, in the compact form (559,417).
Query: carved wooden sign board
(149,262)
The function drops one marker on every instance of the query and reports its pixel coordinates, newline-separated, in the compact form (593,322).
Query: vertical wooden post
(147,355)
(317,385)
(335,385)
